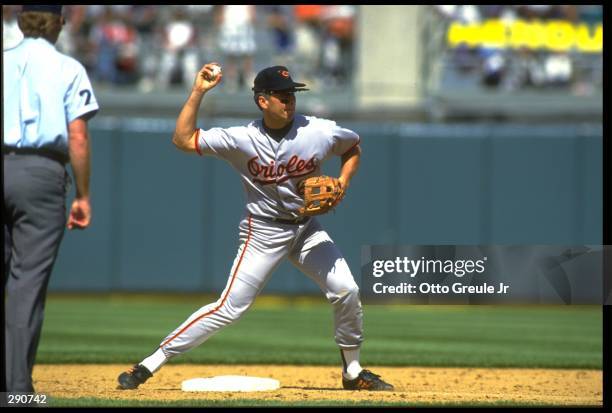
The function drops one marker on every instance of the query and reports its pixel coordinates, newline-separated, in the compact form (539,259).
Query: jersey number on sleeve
(88,93)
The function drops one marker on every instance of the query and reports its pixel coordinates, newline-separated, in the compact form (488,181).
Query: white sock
(155,361)
(351,362)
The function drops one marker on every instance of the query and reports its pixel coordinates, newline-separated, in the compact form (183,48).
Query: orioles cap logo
(284,73)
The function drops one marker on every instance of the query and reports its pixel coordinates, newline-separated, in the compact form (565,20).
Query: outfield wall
(167,221)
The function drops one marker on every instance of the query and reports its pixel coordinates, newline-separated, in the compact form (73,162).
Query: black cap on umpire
(41,8)
(276,78)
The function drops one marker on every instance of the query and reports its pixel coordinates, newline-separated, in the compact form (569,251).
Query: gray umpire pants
(35,215)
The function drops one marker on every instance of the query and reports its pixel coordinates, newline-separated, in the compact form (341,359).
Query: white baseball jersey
(271,170)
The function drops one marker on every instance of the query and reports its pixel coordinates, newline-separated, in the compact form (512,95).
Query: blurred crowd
(524,68)
(157,47)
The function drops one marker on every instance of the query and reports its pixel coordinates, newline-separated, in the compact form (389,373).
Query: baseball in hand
(216,69)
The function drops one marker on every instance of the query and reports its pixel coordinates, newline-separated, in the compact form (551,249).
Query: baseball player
(272,155)
(47,101)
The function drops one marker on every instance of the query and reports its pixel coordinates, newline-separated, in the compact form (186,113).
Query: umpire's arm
(79,149)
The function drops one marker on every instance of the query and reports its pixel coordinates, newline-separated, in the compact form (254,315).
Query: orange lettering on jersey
(270,174)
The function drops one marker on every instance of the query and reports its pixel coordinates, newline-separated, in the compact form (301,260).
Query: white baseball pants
(263,245)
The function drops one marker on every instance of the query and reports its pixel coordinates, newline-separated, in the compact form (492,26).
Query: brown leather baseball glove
(321,194)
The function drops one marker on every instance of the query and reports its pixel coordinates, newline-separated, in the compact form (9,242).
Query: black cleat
(366,381)
(134,377)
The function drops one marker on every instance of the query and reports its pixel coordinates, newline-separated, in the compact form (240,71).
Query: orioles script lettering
(276,173)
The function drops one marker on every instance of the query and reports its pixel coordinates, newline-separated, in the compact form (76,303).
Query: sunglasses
(284,97)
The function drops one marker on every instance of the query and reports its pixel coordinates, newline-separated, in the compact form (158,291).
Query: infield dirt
(311,383)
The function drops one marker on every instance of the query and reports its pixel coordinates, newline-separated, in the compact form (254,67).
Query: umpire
(47,102)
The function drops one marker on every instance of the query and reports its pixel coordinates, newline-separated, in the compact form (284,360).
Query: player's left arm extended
(349,166)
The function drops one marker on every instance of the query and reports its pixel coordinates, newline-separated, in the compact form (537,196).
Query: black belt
(296,221)
(47,153)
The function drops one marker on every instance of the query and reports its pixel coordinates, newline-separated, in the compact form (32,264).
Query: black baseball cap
(276,78)
(53,8)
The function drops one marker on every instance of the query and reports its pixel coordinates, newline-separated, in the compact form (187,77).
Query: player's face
(281,105)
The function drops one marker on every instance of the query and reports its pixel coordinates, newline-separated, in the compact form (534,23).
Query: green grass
(124,329)
(94,402)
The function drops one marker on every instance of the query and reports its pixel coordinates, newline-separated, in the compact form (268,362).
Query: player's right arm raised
(185,131)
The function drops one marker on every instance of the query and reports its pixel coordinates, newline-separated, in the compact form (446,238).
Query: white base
(230,383)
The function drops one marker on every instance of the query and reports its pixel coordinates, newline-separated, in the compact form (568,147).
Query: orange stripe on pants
(246,244)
